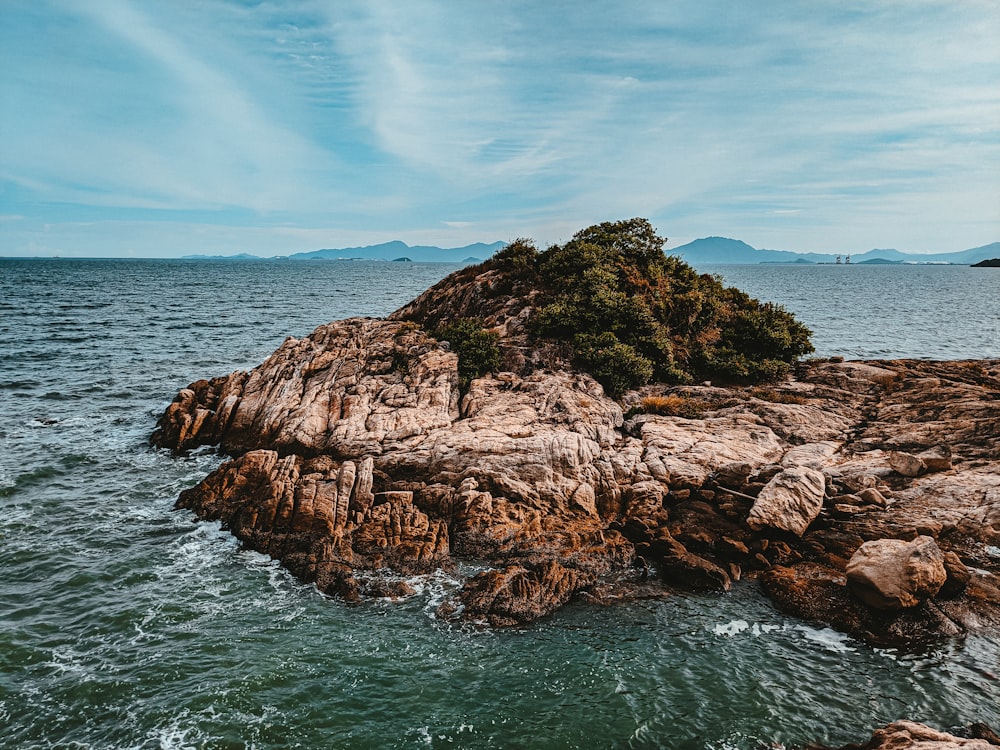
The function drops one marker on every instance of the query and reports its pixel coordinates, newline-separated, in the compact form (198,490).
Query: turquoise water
(884,311)
(125,624)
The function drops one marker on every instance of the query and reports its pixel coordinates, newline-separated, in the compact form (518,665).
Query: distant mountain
(724,250)
(397,249)
(238,256)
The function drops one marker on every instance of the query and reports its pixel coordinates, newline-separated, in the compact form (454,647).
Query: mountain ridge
(392,250)
(726,250)
(706,250)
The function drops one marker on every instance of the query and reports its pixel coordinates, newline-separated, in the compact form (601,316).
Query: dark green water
(124,623)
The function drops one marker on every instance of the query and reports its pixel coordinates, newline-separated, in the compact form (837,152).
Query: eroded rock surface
(357,462)
(910,735)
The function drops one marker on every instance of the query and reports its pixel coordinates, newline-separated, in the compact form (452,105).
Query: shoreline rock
(354,451)
(911,735)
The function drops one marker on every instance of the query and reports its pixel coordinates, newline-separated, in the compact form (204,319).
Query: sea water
(127,624)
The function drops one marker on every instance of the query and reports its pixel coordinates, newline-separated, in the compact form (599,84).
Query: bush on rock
(634,314)
(477,348)
(611,303)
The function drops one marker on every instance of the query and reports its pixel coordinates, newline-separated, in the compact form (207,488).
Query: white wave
(736,627)
(828,638)
(177,734)
(66,660)
(731,628)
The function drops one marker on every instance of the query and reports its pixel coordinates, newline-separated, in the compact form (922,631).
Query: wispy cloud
(801,126)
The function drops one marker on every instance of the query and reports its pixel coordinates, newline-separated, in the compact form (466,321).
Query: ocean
(127,624)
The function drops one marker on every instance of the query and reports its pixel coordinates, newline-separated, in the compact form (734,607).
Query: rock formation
(909,735)
(358,460)
(355,454)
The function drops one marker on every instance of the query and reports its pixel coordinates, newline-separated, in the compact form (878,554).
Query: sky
(159,128)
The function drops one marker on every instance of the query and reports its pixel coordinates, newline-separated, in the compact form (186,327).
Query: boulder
(790,501)
(937,458)
(906,464)
(892,574)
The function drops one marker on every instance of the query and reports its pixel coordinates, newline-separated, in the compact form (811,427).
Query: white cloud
(827,122)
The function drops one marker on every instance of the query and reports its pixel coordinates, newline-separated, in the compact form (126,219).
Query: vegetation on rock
(614,305)
(477,348)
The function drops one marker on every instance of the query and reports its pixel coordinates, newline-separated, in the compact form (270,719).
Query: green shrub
(477,348)
(617,307)
(664,320)
(615,365)
(518,257)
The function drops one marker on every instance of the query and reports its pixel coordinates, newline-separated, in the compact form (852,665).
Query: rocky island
(599,422)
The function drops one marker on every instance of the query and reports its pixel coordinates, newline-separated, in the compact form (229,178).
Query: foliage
(675,405)
(635,314)
(615,365)
(517,258)
(477,348)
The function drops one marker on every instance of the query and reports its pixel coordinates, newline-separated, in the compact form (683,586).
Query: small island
(597,422)
(989,263)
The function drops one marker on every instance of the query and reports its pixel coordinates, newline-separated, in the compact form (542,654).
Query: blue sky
(171,127)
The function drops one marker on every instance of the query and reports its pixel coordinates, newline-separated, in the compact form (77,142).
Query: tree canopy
(634,314)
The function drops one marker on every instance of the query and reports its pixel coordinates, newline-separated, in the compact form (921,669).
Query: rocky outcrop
(358,462)
(909,735)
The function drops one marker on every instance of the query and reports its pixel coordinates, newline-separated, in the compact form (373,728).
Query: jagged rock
(790,501)
(893,574)
(958,576)
(909,735)
(317,513)
(813,455)
(694,572)
(872,496)
(521,593)
(686,452)
(733,474)
(818,592)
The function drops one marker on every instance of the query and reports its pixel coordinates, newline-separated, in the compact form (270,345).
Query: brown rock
(818,593)
(893,574)
(906,464)
(521,593)
(909,735)
(790,501)
(693,571)
(358,459)
(937,458)
(872,496)
(958,576)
